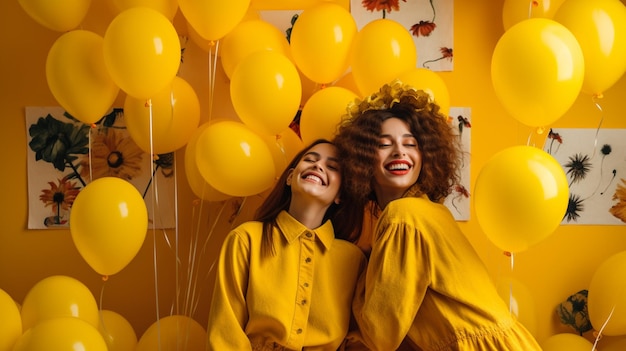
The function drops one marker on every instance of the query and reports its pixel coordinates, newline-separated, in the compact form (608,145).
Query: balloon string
(538,131)
(106,333)
(176,232)
(154,241)
(595,141)
(602,328)
(212,70)
(90,154)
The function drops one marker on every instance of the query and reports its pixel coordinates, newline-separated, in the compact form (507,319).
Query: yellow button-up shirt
(298,299)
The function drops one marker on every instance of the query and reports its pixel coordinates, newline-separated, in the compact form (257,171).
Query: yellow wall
(552,270)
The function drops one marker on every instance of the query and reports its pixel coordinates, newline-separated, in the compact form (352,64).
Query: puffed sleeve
(228,315)
(397,278)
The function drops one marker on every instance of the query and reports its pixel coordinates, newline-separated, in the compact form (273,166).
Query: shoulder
(247,231)
(348,249)
(413,209)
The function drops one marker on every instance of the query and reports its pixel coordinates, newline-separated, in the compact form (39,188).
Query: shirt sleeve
(387,300)
(228,315)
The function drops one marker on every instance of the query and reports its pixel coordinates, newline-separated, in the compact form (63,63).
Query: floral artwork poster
(458,202)
(64,155)
(594,161)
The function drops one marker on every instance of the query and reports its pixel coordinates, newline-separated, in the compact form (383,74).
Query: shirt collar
(292,229)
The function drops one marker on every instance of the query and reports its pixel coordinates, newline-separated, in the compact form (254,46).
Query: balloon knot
(598,96)
(105,278)
(93,125)
(196,202)
(535,3)
(540,130)
(507,253)
(148,103)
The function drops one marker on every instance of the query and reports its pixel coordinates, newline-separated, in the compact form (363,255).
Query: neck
(307,213)
(385,197)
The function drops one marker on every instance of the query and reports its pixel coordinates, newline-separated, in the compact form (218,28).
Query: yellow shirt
(425,281)
(298,299)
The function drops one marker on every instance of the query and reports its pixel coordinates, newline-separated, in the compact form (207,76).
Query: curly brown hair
(358,135)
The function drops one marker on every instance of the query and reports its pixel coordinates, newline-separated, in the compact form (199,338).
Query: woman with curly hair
(425,285)
(286,280)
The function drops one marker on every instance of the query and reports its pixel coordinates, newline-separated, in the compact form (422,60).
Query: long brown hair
(344,216)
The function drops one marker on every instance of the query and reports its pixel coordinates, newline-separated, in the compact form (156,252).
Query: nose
(398,150)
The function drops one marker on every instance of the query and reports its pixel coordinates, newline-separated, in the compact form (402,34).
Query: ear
(337,200)
(289,177)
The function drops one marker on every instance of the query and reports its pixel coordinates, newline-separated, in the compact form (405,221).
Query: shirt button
(308,260)
(306,285)
(308,234)
(299,331)
(304,302)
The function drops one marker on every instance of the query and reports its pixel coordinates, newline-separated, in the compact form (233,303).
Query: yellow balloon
(173,333)
(514,11)
(605,301)
(63,333)
(234,159)
(520,197)
(537,71)
(213,19)
(599,26)
(174,113)
(248,37)
(382,50)
(566,342)
(283,147)
(10,322)
(198,185)
(429,81)
(321,40)
(266,90)
(167,7)
(520,301)
(322,113)
(58,296)
(60,16)
(117,332)
(108,224)
(77,76)
(142,51)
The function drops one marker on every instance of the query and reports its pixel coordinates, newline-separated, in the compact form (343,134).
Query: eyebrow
(408,135)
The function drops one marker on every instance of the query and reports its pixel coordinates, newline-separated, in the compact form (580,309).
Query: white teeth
(314,178)
(398,166)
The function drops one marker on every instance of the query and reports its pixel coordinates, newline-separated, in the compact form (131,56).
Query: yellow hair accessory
(389,95)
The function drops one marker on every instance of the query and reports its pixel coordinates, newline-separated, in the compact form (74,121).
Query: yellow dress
(298,299)
(425,281)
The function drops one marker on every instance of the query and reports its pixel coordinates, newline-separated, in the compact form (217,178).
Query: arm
(228,315)
(397,278)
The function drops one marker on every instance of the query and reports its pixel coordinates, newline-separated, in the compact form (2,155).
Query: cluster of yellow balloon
(520,197)
(553,50)
(60,312)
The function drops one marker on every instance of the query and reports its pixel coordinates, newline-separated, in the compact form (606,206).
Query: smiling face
(317,175)
(398,161)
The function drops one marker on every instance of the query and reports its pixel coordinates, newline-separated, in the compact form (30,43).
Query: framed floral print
(64,155)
